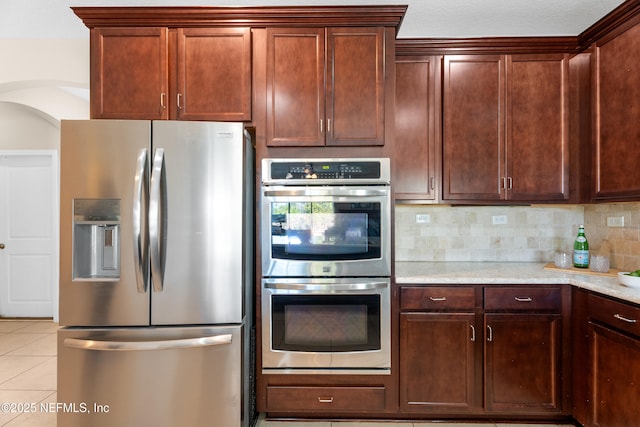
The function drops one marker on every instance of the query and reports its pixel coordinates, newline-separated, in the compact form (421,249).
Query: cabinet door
(616,172)
(417,130)
(615,377)
(522,363)
(214,74)
(537,127)
(295,87)
(438,363)
(473,133)
(356,86)
(129,73)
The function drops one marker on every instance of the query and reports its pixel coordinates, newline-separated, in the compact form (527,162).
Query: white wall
(24,128)
(50,77)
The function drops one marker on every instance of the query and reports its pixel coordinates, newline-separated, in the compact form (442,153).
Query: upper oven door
(326,231)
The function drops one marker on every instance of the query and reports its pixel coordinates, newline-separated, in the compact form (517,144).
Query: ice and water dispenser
(96,239)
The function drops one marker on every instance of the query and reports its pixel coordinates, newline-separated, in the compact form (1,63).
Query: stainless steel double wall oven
(326,265)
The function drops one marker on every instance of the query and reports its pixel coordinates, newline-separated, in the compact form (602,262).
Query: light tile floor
(28,383)
(27,373)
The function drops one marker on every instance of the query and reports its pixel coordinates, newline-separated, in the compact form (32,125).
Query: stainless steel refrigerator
(156,273)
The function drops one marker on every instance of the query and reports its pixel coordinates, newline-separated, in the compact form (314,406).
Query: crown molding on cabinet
(486,45)
(289,16)
(611,25)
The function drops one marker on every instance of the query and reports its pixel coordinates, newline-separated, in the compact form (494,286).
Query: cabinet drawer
(437,298)
(320,399)
(522,298)
(619,315)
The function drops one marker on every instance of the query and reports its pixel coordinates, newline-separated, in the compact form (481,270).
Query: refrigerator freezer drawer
(135,377)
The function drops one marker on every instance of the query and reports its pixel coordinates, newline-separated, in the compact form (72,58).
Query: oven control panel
(333,170)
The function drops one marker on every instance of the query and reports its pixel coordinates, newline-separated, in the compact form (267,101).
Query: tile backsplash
(513,233)
(621,244)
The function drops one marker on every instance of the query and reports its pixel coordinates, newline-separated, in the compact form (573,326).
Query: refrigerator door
(103,256)
(196,220)
(189,377)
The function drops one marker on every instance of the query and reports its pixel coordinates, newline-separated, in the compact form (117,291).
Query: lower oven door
(326,325)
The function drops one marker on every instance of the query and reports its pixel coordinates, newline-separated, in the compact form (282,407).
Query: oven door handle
(324,287)
(324,191)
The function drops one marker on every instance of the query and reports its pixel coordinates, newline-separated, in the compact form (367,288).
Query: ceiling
(424,18)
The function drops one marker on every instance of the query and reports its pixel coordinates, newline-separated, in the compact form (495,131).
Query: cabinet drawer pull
(624,319)
(325,399)
(527,299)
(438,298)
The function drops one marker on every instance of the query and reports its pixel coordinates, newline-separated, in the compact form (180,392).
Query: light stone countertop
(508,273)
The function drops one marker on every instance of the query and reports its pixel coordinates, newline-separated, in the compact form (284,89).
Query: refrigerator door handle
(139,233)
(148,345)
(156,220)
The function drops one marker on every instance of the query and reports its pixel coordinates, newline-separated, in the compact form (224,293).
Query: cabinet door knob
(1,245)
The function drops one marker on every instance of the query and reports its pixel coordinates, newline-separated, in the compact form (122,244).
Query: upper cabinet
(213,74)
(505,128)
(129,73)
(163,73)
(417,146)
(616,171)
(325,86)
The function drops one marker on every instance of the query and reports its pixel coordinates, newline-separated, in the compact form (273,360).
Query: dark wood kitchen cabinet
(616,174)
(610,378)
(438,350)
(418,144)
(325,86)
(505,128)
(483,350)
(166,73)
(129,73)
(523,350)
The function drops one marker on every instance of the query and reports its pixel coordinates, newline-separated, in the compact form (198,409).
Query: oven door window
(325,231)
(325,323)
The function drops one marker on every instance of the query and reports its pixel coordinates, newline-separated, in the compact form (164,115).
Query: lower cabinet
(522,360)
(325,399)
(438,350)
(613,337)
(482,350)
(615,378)
(438,346)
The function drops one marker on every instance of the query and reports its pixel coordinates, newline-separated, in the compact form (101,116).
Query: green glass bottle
(581,249)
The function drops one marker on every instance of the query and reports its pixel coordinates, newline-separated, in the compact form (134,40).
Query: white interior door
(28,233)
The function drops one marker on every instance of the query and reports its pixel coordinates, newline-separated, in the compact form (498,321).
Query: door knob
(1,245)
